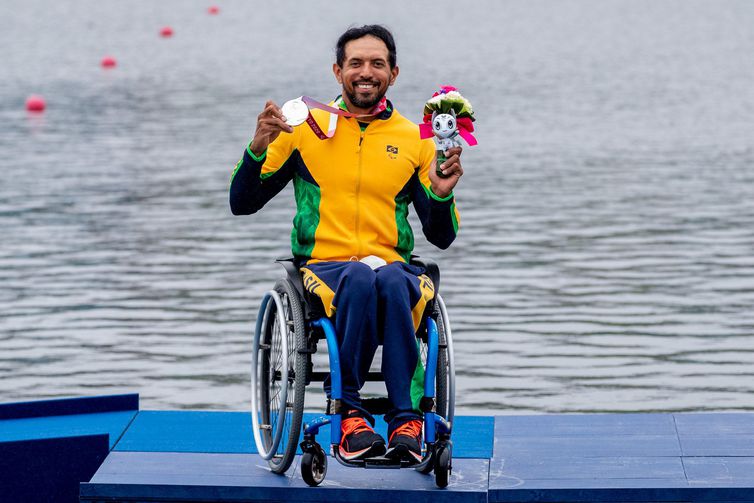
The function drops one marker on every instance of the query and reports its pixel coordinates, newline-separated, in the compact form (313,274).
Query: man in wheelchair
(351,236)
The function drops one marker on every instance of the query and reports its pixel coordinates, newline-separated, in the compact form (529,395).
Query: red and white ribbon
(334,113)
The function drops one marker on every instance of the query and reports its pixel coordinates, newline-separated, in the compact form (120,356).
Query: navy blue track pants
(372,307)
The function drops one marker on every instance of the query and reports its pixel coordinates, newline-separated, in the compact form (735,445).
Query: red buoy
(213,10)
(108,62)
(35,103)
(166,31)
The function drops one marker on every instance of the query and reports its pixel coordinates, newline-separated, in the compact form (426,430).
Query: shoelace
(354,425)
(411,429)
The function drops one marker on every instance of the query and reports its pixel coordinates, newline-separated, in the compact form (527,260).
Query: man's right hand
(270,123)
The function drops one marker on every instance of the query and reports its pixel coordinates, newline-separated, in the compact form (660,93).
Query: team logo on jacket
(392,152)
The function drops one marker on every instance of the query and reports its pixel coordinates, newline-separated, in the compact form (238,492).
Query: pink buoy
(35,103)
(166,31)
(108,62)
(213,10)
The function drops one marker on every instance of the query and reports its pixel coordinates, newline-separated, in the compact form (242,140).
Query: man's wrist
(256,153)
(439,195)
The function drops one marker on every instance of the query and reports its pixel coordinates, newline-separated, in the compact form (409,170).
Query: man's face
(365,74)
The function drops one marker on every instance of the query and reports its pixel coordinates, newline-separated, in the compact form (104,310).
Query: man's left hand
(442,187)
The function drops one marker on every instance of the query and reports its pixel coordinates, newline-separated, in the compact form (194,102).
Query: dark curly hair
(374,30)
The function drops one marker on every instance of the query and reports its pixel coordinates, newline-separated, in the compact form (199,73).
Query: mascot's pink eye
(450,124)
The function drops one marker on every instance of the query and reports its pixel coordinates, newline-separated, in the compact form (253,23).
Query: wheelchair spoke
(277,344)
(273,397)
(278,360)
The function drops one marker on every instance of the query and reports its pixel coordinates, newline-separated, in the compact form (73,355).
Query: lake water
(606,255)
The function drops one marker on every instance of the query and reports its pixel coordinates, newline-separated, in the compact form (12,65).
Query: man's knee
(391,279)
(359,276)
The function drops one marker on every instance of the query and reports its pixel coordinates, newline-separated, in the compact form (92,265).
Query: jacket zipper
(358,205)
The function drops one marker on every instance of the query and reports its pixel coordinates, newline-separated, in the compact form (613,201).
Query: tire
(443,463)
(314,467)
(278,409)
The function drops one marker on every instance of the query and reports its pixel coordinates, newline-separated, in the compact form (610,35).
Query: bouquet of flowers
(446,99)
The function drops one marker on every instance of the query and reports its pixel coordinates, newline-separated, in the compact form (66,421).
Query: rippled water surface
(605,260)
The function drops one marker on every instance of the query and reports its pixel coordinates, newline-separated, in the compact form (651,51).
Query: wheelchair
(289,325)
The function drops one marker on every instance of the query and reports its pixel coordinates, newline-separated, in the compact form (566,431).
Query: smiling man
(351,235)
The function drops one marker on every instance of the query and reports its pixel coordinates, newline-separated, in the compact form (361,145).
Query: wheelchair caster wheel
(314,466)
(443,463)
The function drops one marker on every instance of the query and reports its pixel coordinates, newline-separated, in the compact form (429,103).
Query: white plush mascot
(447,115)
(445,129)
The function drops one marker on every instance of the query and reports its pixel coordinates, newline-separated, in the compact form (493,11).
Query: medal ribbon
(334,113)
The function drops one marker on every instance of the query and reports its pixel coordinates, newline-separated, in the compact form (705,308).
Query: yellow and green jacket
(352,190)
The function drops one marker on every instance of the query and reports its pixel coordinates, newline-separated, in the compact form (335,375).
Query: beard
(368,103)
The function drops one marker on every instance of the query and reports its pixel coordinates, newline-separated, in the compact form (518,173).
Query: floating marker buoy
(35,103)
(108,62)
(213,10)
(166,31)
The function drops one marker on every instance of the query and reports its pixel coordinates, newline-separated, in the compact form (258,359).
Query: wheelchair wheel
(445,375)
(278,376)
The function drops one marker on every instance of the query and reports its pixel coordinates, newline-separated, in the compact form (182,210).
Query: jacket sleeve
(438,215)
(256,180)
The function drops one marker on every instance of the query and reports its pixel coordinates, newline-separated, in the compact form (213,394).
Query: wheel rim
(269,365)
(319,467)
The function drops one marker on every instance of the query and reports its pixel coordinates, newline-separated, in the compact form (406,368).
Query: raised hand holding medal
(274,120)
(270,124)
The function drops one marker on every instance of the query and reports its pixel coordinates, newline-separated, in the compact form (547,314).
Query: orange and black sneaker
(358,439)
(406,441)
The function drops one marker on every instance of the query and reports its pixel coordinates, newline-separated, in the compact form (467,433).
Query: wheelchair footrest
(377,462)
(383,462)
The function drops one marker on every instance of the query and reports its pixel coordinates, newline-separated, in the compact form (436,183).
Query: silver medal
(295,112)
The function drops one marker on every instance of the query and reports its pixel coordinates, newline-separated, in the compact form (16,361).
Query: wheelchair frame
(288,327)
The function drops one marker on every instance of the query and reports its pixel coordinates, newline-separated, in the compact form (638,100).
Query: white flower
(435,100)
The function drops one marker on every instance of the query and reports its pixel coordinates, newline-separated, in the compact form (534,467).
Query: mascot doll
(447,115)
